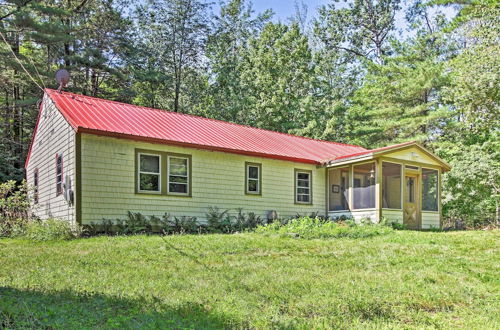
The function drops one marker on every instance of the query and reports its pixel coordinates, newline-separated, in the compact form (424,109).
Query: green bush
(398,226)
(174,225)
(51,229)
(14,207)
(309,228)
(218,221)
(135,223)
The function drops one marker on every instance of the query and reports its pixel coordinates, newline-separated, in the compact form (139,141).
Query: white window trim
(139,172)
(257,192)
(187,176)
(297,187)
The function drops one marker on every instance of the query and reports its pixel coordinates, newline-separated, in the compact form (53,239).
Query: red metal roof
(103,117)
(369,151)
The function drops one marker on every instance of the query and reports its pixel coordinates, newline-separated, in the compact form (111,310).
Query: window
(410,189)
(253,178)
(339,189)
(391,186)
(303,187)
(364,186)
(413,168)
(178,175)
(35,186)
(149,173)
(430,189)
(59,175)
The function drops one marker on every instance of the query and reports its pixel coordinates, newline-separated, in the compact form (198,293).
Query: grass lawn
(401,280)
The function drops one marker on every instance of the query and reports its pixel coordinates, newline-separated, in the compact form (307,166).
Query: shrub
(181,225)
(398,226)
(14,207)
(218,221)
(135,223)
(246,221)
(52,229)
(309,228)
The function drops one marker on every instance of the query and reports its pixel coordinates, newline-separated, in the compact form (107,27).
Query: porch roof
(373,153)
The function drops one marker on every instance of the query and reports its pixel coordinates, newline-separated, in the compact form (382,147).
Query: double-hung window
(178,175)
(59,174)
(163,173)
(149,173)
(253,178)
(303,187)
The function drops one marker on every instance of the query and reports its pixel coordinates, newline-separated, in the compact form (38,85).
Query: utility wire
(37,72)
(18,61)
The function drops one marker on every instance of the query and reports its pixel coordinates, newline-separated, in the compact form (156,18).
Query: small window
(178,175)
(410,189)
(430,189)
(303,187)
(149,173)
(35,186)
(253,181)
(59,175)
(413,168)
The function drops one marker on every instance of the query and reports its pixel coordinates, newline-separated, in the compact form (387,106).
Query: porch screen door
(410,214)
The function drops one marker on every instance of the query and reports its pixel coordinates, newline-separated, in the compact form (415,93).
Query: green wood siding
(217,179)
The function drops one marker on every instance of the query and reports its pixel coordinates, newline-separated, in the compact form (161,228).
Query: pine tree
(277,74)
(173,34)
(401,99)
(231,31)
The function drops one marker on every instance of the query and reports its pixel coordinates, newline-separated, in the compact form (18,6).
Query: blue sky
(284,9)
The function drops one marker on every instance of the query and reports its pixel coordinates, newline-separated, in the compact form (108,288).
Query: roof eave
(348,160)
(368,156)
(192,145)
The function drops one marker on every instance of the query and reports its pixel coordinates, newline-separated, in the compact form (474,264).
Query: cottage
(91,159)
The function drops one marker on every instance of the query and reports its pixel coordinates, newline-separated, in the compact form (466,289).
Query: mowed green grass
(401,280)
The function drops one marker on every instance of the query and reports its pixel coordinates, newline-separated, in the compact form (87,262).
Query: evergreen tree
(231,31)
(360,30)
(173,34)
(401,99)
(277,74)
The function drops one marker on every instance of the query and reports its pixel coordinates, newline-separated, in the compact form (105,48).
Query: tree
(360,30)
(277,74)
(475,97)
(471,189)
(38,37)
(232,29)
(401,99)
(173,34)
(23,72)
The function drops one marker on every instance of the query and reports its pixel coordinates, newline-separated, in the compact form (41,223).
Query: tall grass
(404,280)
(310,228)
(51,230)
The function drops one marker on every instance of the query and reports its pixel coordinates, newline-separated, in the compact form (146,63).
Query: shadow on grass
(39,310)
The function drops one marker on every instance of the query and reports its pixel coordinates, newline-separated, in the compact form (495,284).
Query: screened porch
(398,190)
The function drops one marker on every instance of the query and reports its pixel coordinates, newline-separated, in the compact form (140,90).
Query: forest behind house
(347,72)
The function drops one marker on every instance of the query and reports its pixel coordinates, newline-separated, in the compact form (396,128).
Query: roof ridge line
(205,118)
